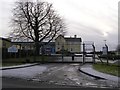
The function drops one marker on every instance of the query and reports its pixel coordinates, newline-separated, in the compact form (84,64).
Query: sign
(12,49)
(104,50)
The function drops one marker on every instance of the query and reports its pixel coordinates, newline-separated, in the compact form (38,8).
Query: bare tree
(36,22)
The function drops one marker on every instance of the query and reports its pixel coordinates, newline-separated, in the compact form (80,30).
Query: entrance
(88,51)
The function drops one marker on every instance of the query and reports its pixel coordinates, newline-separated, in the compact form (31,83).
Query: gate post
(43,52)
(72,56)
(83,53)
(93,53)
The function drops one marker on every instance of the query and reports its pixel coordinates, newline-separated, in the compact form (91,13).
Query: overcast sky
(92,20)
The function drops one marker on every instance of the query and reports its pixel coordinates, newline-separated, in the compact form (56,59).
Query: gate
(84,56)
(88,51)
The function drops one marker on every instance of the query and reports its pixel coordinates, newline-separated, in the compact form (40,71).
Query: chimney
(75,36)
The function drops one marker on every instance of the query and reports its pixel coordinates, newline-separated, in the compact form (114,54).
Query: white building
(70,44)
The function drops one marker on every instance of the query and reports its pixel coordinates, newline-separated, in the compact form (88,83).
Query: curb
(19,67)
(97,77)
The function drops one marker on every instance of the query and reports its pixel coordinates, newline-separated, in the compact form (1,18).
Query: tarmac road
(11,84)
(50,76)
(19,83)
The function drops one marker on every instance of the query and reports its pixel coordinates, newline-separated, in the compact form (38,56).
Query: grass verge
(109,69)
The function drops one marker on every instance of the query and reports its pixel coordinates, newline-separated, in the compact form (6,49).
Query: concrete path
(88,69)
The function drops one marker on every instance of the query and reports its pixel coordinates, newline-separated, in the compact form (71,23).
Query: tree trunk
(37,49)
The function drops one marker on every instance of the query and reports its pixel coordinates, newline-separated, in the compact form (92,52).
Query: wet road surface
(56,74)
(19,83)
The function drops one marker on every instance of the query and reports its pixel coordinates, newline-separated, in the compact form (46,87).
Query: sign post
(105,52)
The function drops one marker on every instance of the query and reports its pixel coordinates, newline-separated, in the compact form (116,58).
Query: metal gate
(88,51)
(85,56)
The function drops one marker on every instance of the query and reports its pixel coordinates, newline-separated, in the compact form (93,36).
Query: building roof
(71,39)
(59,36)
(5,39)
(22,42)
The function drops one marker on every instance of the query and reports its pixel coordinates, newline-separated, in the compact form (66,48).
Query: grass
(109,69)
(31,59)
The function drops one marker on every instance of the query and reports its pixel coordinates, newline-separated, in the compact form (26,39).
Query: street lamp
(105,41)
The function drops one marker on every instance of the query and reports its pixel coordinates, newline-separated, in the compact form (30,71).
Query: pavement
(25,71)
(18,66)
(88,69)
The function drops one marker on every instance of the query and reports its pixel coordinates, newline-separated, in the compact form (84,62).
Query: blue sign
(12,49)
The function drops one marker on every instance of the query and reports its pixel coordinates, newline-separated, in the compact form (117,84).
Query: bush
(27,60)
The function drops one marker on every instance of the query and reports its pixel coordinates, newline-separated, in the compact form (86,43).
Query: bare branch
(36,22)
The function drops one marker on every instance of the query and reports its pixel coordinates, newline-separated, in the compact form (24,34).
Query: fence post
(62,53)
(107,54)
